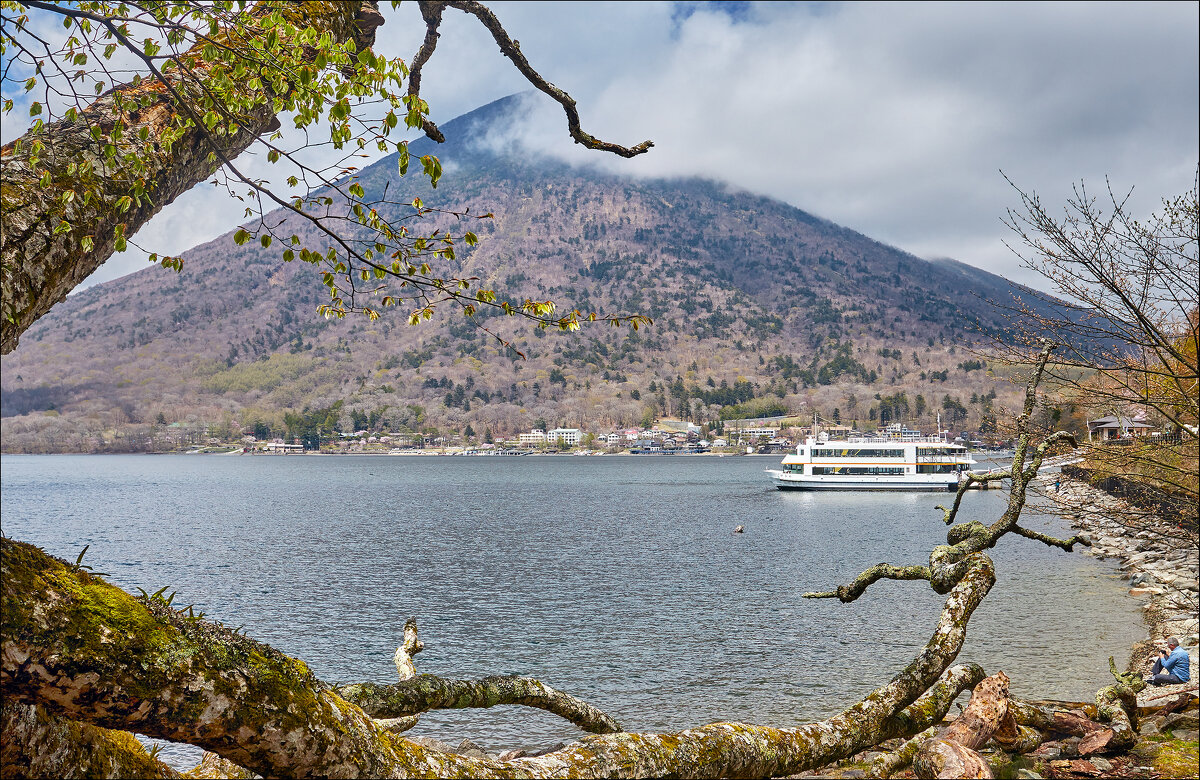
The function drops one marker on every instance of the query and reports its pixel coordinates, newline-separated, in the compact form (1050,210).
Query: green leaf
(241,236)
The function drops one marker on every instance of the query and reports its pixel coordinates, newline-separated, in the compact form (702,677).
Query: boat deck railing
(893,440)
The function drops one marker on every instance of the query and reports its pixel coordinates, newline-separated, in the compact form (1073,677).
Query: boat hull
(800,482)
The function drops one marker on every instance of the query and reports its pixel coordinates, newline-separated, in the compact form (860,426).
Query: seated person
(1172,666)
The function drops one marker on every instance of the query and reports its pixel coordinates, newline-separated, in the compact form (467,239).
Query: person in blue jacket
(1172,666)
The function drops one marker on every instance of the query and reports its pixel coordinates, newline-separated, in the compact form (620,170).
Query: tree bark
(86,650)
(953,752)
(41,266)
(426,692)
(34,743)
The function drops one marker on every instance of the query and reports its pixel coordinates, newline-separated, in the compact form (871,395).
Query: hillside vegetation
(758,307)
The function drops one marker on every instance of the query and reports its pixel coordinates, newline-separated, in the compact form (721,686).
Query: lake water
(618,579)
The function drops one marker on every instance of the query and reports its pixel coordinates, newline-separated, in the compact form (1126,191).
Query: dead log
(397,706)
(1117,706)
(1014,737)
(953,752)
(427,692)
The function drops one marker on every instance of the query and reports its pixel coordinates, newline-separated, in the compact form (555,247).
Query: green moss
(1176,758)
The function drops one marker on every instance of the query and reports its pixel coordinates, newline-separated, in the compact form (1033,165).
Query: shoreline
(1162,571)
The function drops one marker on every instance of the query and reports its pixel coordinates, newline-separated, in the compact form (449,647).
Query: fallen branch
(887,764)
(1191,691)
(427,692)
(954,752)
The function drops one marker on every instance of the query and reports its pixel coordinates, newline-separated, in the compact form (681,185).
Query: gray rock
(471,750)
(433,744)
(1103,764)
(1028,774)
(551,749)
(1049,751)
(511,754)
(1186,735)
(1149,728)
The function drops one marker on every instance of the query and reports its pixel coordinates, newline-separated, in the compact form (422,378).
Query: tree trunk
(34,743)
(953,753)
(41,264)
(86,650)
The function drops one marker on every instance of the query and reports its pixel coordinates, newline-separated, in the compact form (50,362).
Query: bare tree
(1123,310)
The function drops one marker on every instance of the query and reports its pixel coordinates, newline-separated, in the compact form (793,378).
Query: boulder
(433,744)
(471,750)
(1181,720)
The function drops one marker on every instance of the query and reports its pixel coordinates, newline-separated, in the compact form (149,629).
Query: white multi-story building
(533,438)
(751,433)
(567,436)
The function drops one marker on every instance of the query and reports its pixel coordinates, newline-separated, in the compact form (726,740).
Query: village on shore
(663,437)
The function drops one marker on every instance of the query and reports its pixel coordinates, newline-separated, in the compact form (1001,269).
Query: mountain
(757,307)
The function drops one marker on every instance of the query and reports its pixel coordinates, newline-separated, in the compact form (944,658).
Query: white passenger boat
(869,463)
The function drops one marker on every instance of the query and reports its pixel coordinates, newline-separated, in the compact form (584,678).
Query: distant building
(753,433)
(899,431)
(567,436)
(532,438)
(1111,428)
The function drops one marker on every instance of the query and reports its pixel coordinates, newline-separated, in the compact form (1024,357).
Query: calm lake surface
(614,578)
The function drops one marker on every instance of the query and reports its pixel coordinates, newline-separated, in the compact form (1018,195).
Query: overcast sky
(894,119)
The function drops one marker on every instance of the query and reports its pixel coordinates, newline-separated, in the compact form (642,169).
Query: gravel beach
(1161,563)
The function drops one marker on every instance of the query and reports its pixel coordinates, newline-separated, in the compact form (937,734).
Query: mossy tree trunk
(87,651)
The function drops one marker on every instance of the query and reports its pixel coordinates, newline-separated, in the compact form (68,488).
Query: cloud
(892,119)
(896,119)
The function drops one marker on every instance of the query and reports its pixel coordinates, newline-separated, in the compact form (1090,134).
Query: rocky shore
(1161,562)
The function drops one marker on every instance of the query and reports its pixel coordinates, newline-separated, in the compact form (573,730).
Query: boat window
(858,470)
(929,452)
(937,468)
(858,453)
